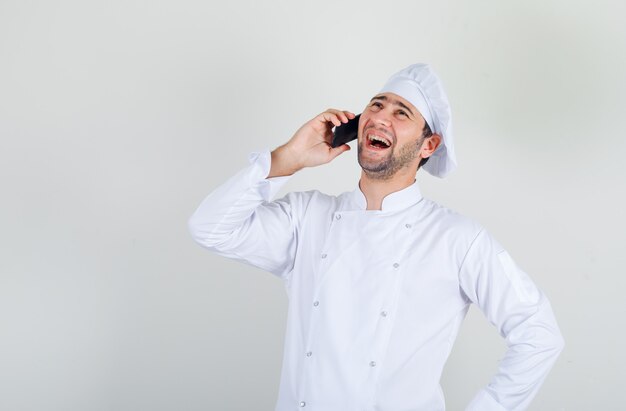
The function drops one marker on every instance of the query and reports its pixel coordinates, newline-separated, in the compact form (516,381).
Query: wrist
(282,163)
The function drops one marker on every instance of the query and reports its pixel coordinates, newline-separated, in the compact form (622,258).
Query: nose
(382,118)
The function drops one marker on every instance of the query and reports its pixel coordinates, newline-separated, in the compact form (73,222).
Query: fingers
(343,115)
(336,117)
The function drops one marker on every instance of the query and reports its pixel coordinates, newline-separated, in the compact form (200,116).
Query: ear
(429,145)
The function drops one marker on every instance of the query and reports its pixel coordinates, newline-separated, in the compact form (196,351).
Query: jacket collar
(395,201)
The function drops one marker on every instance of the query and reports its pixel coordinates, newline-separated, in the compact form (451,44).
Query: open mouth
(377,142)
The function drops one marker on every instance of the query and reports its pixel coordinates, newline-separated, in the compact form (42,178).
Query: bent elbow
(558,343)
(208,234)
(192,227)
(552,344)
(199,232)
(194,230)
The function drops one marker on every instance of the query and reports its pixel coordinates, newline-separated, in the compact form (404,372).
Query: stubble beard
(387,167)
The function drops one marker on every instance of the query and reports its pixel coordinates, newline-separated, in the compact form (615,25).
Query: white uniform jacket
(376,298)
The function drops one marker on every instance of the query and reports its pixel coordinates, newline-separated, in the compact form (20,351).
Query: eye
(402,113)
(376,105)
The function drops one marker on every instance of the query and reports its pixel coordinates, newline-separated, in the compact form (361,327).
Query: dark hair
(426,132)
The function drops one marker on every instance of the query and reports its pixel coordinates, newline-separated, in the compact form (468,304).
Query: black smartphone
(346,132)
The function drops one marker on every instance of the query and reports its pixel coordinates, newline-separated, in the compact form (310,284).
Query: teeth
(383,140)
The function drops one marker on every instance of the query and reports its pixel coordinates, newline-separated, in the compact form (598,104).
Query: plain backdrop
(118,117)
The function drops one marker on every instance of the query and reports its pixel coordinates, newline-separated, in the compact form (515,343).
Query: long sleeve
(237,220)
(524,318)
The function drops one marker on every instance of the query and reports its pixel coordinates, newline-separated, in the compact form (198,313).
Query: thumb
(334,152)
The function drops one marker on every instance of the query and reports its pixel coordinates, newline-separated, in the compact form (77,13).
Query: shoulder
(468,232)
(447,219)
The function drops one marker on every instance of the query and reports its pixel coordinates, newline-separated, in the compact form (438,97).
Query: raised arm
(238,220)
(524,318)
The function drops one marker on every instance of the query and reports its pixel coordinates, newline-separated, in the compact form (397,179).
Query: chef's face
(390,136)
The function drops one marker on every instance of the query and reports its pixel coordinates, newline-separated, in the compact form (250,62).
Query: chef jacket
(377,297)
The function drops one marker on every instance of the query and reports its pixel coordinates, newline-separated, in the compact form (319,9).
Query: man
(380,279)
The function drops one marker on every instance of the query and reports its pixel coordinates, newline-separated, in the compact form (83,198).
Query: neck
(376,189)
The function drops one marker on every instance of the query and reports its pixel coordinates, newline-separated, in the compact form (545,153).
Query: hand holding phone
(346,132)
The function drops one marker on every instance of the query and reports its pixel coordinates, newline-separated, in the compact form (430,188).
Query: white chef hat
(419,85)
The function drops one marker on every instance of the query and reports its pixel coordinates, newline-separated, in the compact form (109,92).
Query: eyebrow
(396,102)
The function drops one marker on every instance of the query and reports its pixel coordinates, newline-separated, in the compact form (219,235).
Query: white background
(118,117)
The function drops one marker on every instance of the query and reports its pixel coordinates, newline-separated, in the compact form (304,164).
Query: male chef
(379,279)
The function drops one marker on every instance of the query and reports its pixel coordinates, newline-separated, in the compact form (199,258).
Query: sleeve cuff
(261,162)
